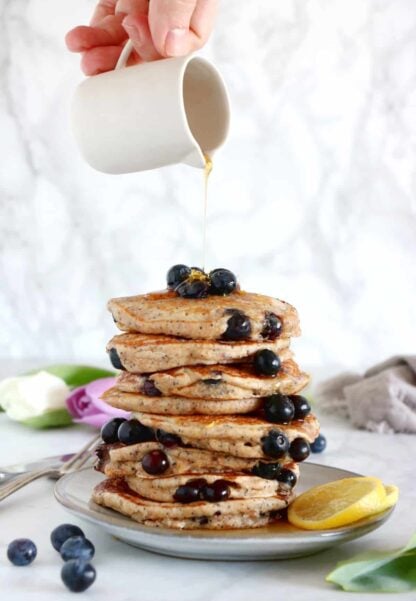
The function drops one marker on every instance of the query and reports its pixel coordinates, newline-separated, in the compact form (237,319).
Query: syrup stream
(207,171)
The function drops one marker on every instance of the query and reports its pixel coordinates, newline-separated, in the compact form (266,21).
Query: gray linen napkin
(381,400)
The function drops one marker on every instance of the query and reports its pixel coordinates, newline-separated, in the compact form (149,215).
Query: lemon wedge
(340,503)
(392,496)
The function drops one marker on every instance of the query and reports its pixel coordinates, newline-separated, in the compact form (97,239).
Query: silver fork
(73,464)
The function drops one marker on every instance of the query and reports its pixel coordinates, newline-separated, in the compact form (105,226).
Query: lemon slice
(392,496)
(340,503)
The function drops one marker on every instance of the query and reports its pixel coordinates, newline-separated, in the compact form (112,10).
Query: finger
(82,38)
(182,31)
(203,19)
(169,22)
(100,59)
(132,7)
(104,9)
(138,31)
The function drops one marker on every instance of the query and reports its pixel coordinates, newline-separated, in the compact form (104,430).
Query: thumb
(170,25)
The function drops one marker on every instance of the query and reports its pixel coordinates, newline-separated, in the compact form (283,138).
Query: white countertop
(128,574)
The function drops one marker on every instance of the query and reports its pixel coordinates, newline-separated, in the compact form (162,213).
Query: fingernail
(176,43)
(132,31)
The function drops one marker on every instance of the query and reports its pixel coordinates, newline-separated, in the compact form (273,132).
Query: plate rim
(92,514)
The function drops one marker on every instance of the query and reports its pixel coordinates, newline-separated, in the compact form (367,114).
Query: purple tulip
(86,406)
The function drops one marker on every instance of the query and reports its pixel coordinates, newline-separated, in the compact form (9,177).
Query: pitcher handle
(125,53)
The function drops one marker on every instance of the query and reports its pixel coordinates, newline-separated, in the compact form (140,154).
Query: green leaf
(376,571)
(55,418)
(76,375)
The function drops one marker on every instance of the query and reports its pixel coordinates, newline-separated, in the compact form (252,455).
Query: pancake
(235,513)
(117,461)
(144,353)
(241,486)
(240,436)
(167,313)
(222,382)
(177,405)
(246,428)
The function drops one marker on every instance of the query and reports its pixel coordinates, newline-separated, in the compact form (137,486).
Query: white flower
(24,397)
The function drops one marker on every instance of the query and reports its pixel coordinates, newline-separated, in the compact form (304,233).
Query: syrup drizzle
(207,171)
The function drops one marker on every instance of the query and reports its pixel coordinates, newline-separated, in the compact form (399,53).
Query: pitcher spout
(195,158)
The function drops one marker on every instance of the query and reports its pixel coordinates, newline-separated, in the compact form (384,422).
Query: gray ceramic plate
(274,542)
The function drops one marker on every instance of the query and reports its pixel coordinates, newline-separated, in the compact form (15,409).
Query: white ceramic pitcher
(145,116)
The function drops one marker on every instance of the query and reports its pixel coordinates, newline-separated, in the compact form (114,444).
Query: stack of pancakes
(202,461)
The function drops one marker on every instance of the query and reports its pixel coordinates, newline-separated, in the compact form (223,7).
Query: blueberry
(278,409)
(288,477)
(21,551)
(272,327)
(198,482)
(266,362)
(188,493)
(275,444)
(302,407)
(176,275)
(77,547)
(192,289)
(155,462)
(110,429)
(319,444)
(132,432)
(216,492)
(299,449)
(223,282)
(61,533)
(115,359)
(77,575)
(268,471)
(149,388)
(238,326)
(167,439)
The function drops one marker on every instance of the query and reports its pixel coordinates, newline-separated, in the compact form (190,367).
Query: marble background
(312,199)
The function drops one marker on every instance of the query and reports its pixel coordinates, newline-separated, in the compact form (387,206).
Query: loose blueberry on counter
(78,575)
(268,471)
(275,444)
(132,431)
(272,327)
(238,326)
(110,429)
(223,282)
(266,362)
(155,462)
(115,359)
(319,444)
(61,533)
(299,449)
(278,409)
(189,492)
(216,492)
(302,407)
(167,439)
(193,289)
(21,551)
(176,275)
(288,477)
(77,547)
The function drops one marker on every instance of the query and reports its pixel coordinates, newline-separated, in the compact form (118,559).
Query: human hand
(157,29)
